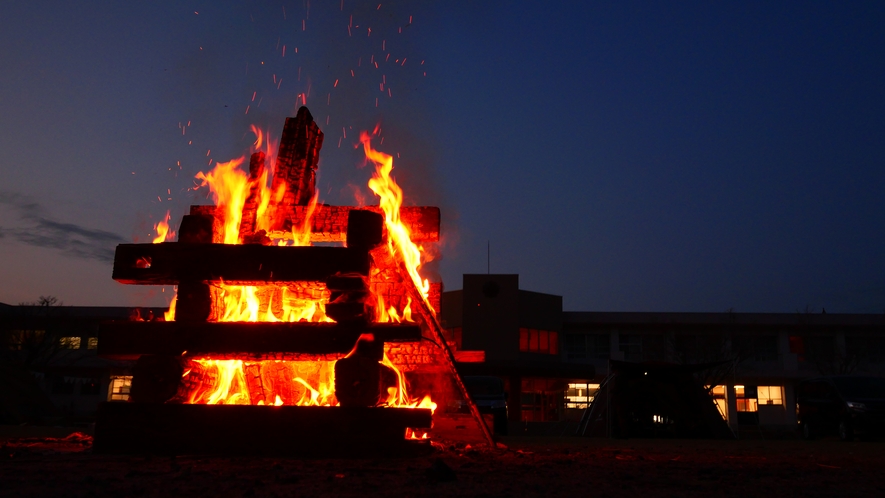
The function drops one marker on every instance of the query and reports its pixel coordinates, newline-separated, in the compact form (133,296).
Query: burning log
(358,377)
(194,300)
(429,319)
(129,340)
(250,207)
(329,223)
(171,263)
(296,165)
(361,379)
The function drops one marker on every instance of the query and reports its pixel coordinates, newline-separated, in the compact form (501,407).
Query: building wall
(490,316)
(771,349)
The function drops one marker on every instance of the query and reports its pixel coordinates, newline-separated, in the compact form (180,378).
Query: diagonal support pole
(436,330)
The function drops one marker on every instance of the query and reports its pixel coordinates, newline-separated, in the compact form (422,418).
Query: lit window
(770,395)
(718,393)
(120,385)
(746,398)
(69,342)
(538,341)
(580,395)
(92,343)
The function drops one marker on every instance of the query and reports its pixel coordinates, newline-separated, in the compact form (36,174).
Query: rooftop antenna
(488,257)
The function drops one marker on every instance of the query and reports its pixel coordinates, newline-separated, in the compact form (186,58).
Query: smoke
(29,224)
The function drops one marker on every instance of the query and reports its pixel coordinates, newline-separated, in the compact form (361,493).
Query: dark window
(599,346)
(91,388)
(870,349)
(756,347)
(575,346)
(653,347)
(765,348)
(820,349)
(59,386)
(631,346)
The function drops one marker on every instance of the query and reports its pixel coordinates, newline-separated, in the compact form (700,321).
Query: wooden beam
(317,431)
(250,206)
(169,263)
(296,165)
(329,223)
(129,340)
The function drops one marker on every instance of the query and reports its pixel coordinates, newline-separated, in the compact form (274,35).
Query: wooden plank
(250,207)
(329,223)
(129,340)
(296,165)
(171,262)
(172,429)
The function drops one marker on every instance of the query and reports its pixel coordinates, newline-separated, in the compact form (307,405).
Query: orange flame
(163,232)
(230,187)
(276,382)
(391,199)
(169,315)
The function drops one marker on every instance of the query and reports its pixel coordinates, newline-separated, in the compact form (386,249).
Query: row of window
(748,398)
(538,341)
(696,348)
(117,391)
(77,342)
(20,339)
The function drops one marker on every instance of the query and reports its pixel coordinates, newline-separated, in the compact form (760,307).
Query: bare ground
(48,465)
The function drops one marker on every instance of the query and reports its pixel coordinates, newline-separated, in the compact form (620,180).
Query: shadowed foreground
(44,466)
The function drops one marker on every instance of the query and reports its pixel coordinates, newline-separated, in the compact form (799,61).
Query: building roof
(727,318)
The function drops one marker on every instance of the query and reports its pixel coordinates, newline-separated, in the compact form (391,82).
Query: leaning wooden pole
(436,330)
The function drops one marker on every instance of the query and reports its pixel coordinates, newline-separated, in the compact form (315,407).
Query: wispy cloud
(34,227)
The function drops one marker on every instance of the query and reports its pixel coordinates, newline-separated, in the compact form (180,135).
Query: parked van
(842,405)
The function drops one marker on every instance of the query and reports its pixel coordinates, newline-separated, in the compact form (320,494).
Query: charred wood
(155,379)
(171,263)
(295,169)
(129,340)
(250,207)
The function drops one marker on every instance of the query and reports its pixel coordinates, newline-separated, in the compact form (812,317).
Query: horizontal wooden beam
(129,340)
(168,263)
(317,431)
(329,223)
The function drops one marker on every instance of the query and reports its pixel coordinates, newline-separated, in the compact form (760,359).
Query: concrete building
(553,360)
(49,366)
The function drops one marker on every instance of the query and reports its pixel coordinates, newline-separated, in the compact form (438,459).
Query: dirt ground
(48,465)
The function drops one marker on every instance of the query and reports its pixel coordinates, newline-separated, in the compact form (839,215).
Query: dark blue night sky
(631,156)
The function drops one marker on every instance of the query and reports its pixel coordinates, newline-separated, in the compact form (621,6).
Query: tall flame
(391,199)
(230,187)
(276,382)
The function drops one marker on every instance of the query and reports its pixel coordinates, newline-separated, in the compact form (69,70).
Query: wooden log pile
(347,279)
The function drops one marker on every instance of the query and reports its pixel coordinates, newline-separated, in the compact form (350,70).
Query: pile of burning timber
(322,375)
